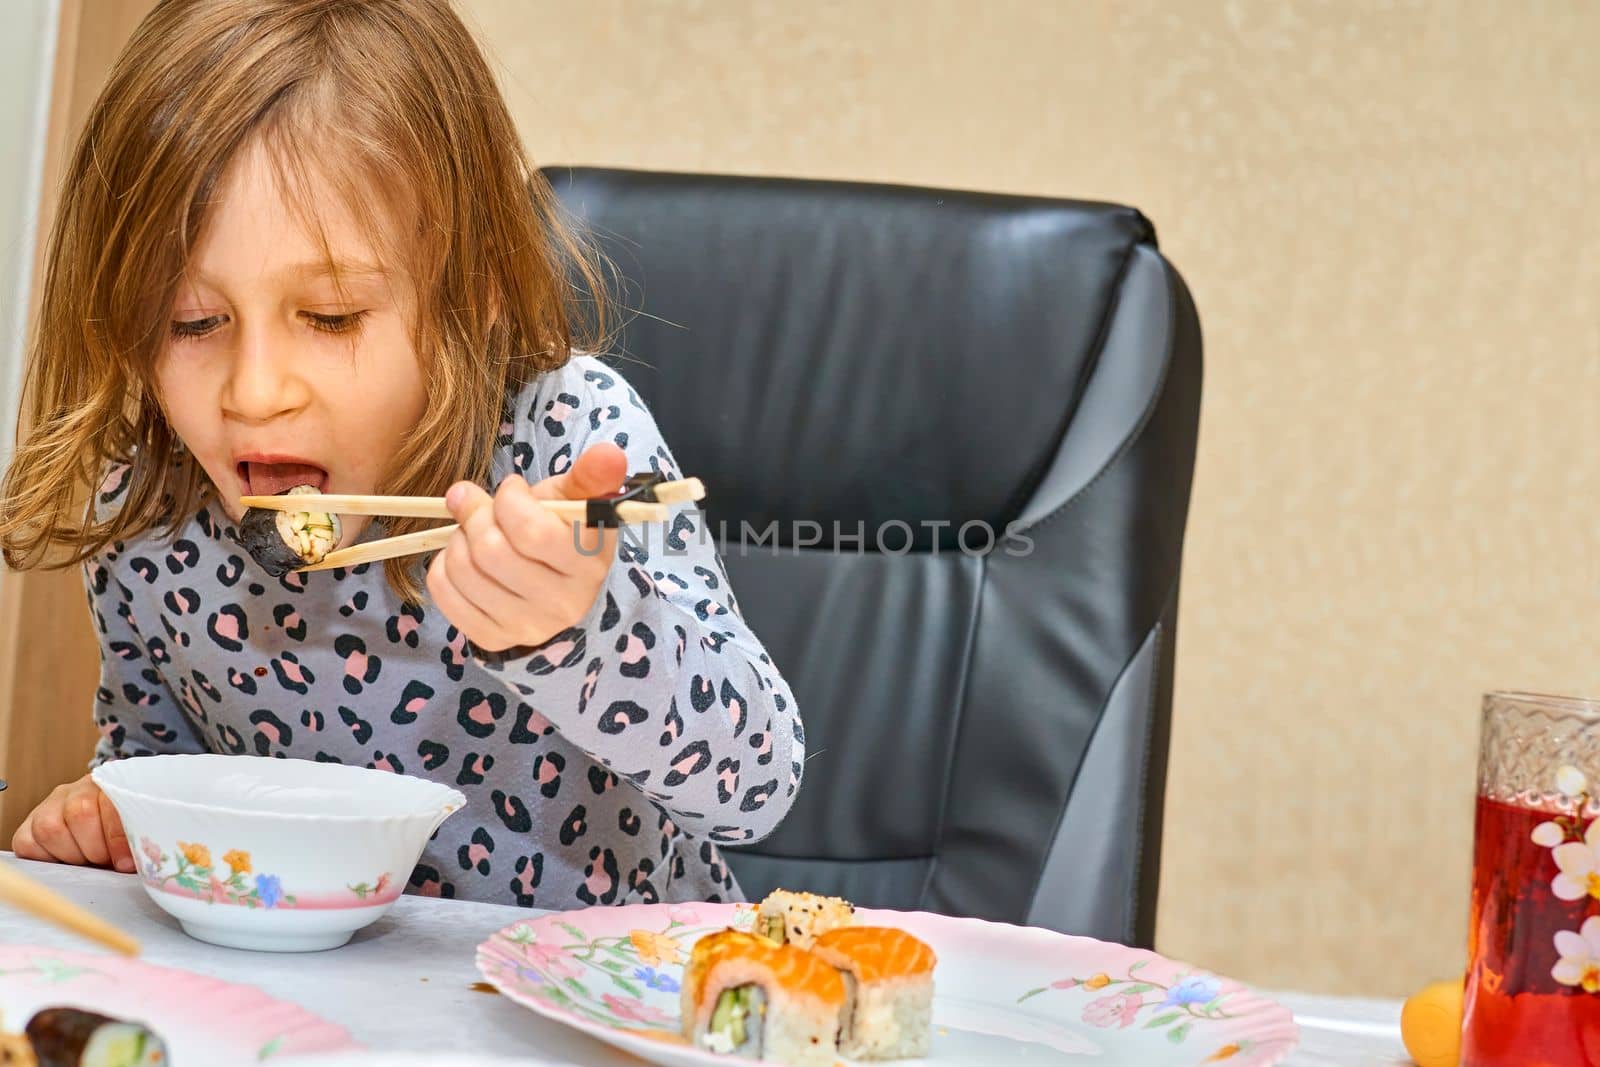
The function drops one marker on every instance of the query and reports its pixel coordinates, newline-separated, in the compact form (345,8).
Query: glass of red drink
(1533,967)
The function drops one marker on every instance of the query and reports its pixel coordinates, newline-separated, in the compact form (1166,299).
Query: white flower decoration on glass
(1580,866)
(1548,834)
(1579,964)
(1571,781)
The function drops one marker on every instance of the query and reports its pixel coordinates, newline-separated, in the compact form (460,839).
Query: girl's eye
(189,328)
(334,323)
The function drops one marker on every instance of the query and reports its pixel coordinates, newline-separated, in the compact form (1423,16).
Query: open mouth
(261,478)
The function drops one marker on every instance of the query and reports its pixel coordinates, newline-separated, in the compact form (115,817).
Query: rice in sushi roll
(68,1037)
(746,996)
(797,918)
(282,541)
(889,991)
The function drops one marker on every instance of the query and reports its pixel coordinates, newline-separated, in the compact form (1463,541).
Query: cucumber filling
(736,1021)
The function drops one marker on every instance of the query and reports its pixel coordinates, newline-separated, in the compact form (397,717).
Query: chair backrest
(955,434)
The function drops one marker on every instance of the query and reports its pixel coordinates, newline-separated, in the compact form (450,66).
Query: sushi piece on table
(69,1037)
(888,977)
(798,918)
(745,996)
(282,541)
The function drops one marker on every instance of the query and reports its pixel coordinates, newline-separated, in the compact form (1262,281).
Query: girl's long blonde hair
(391,100)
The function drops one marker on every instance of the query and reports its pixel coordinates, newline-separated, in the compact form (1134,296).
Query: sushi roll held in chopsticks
(746,996)
(798,918)
(888,977)
(282,541)
(68,1037)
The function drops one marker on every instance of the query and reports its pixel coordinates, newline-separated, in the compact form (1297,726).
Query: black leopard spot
(695,757)
(360,729)
(473,768)
(512,811)
(601,872)
(270,731)
(434,755)
(228,627)
(574,826)
(757,796)
(621,715)
(547,768)
(412,701)
(479,711)
(702,694)
(475,854)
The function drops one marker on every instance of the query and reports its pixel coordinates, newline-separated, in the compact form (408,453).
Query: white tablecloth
(405,982)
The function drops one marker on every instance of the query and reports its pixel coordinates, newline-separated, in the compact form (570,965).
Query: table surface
(405,982)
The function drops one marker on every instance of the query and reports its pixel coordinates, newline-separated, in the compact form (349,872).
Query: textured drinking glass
(1533,967)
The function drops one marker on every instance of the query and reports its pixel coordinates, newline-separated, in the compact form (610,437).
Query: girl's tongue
(269,479)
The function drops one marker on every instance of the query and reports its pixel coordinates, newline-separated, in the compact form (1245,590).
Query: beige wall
(1381,208)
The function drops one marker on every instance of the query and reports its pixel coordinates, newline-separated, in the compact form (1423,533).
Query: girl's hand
(75,824)
(515,574)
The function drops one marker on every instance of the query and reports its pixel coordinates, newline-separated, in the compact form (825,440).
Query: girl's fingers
(49,830)
(535,533)
(493,553)
(83,819)
(468,618)
(116,837)
(481,589)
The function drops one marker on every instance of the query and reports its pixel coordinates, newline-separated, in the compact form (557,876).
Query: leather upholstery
(986,716)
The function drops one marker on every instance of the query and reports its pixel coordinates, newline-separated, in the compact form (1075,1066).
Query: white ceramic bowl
(275,855)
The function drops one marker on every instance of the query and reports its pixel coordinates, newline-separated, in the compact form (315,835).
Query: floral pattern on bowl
(195,874)
(1001,992)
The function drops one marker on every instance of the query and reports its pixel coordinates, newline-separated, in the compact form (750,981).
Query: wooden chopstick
(409,507)
(37,899)
(629,511)
(678,491)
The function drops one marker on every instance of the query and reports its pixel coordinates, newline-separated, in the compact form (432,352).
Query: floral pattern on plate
(1000,991)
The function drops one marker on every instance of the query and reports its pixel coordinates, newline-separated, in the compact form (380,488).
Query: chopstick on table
(647,499)
(39,900)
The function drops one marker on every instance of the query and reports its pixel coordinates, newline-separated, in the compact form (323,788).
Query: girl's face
(274,376)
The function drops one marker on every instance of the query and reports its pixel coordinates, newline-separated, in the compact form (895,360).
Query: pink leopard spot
(430,888)
(477,854)
(599,882)
(482,713)
(684,766)
(270,732)
(355,665)
(291,671)
(538,723)
(559,413)
(291,620)
(735,712)
(228,626)
(478,767)
(525,880)
(634,651)
(383,764)
(547,772)
(557,652)
(406,627)
(766,746)
(416,704)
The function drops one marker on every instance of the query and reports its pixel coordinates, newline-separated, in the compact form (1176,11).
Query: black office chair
(987,728)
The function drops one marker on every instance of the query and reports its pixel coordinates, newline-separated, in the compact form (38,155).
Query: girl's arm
(134,708)
(661,682)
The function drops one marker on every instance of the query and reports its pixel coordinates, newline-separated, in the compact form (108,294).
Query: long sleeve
(136,712)
(662,682)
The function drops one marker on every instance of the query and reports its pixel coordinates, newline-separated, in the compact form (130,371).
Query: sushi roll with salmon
(68,1037)
(888,977)
(745,996)
(797,918)
(282,541)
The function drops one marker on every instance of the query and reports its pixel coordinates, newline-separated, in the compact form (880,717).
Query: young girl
(300,244)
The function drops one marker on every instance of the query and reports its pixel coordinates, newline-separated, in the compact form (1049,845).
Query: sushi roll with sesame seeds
(797,918)
(282,541)
(888,977)
(745,996)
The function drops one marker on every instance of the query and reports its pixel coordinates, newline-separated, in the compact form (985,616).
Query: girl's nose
(265,382)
